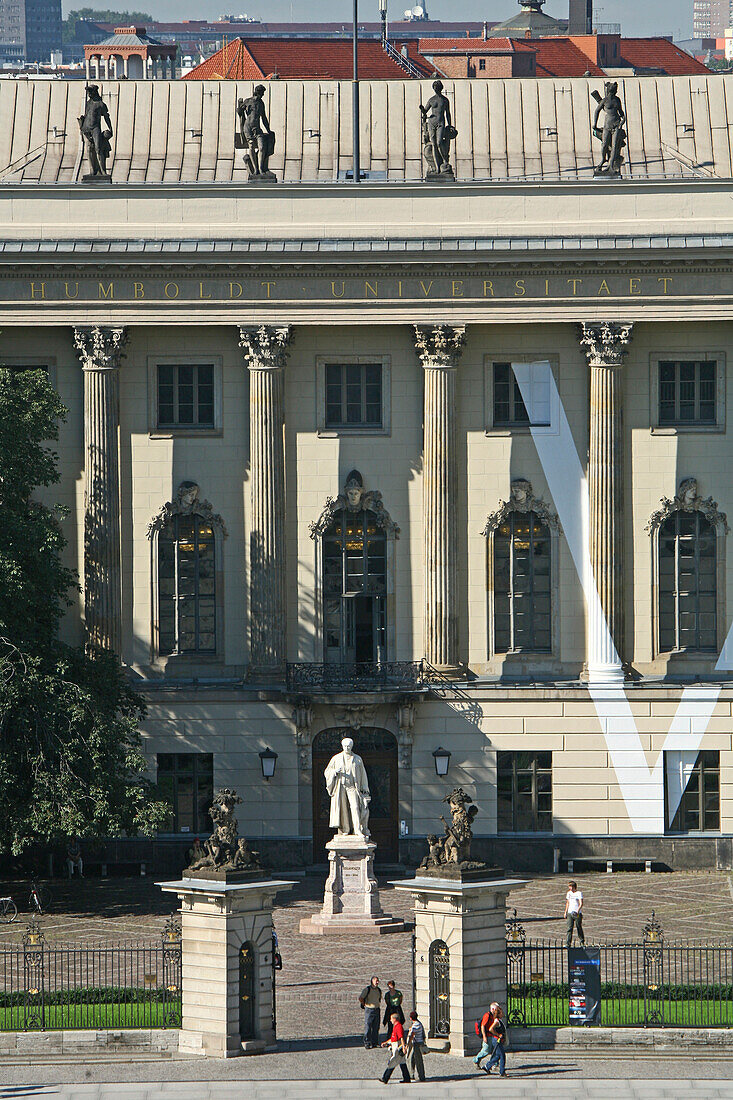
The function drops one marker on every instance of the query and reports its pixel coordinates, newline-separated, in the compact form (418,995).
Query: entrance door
(378,750)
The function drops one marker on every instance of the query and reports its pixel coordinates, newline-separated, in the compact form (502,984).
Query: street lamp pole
(355,93)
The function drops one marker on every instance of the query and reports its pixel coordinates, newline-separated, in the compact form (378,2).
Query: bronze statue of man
(257,138)
(96,140)
(613,135)
(440,131)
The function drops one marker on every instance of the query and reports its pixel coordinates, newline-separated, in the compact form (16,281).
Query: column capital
(605,343)
(100,347)
(439,346)
(265,347)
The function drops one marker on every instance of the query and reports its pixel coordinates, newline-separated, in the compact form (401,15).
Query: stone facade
(394,278)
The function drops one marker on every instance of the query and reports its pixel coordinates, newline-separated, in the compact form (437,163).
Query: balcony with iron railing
(357,677)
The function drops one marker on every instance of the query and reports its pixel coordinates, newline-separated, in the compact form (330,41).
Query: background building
(710,18)
(34,24)
(348,433)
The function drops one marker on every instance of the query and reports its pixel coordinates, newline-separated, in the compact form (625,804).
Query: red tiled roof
(471,45)
(659,53)
(303,59)
(561,57)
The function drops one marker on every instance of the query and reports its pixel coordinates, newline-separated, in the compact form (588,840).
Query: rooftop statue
(438,132)
(96,140)
(223,855)
(258,140)
(613,134)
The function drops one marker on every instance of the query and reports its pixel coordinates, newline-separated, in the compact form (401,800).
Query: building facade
(710,18)
(443,467)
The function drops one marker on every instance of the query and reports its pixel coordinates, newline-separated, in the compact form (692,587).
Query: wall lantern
(268,760)
(441,757)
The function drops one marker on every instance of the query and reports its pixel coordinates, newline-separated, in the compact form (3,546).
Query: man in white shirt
(574,912)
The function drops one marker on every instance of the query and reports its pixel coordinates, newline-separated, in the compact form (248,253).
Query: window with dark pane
(186,782)
(186,587)
(699,808)
(524,792)
(687,392)
(522,600)
(355,588)
(509,408)
(687,583)
(185,395)
(353,395)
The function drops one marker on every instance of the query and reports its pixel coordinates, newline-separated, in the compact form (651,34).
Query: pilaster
(100,351)
(605,345)
(265,353)
(439,349)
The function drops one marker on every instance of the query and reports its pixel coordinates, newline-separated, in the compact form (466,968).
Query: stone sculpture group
(223,852)
(257,139)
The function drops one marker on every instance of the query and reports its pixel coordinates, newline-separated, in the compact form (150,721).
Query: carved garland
(368,502)
(522,499)
(687,499)
(187,503)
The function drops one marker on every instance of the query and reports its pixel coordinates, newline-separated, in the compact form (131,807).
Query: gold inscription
(106,291)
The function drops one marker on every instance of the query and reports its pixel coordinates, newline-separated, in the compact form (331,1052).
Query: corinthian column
(265,353)
(605,346)
(439,349)
(100,351)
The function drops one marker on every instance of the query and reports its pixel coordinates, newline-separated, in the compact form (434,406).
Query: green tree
(70,750)
(98,15)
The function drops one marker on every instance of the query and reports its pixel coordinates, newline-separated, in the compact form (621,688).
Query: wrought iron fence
(364,676)
(77,986)
(651,983)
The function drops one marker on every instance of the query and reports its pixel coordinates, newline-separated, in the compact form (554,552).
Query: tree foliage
(70,752)
(101,15)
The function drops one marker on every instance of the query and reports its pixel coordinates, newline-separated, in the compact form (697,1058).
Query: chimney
(580,17)
(486,31)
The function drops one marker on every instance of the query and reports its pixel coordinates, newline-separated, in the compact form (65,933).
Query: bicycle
(8,910)
(39,898)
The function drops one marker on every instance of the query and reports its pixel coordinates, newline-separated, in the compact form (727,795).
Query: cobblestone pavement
(332,1075)
(322,976)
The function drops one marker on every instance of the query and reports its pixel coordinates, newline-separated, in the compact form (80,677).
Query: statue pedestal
(460,953)
(351,898)
(227,965)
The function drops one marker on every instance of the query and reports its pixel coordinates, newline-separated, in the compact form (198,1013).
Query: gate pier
(227,965)
(460,954)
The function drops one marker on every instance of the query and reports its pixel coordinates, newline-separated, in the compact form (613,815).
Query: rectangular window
(692,792)
(353,395)
(186,781)
(187,587)
(509,406)
(185,395)
(687,392)
(524,792)
(482,63)
(522,597)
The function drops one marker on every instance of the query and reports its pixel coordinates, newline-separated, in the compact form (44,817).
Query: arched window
(186,536)
(521,552)
(355,534)
(688,557)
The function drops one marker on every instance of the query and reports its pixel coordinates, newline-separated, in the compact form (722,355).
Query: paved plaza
(318,987)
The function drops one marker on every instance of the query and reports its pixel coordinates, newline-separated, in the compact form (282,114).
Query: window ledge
(334,433)
(185,433)
(686,429)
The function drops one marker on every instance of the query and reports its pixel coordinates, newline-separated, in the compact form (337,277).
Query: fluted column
(100,350)
(265,353)
(439,349)
(605,346)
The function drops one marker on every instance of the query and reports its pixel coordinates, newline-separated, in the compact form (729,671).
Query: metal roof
(529,129)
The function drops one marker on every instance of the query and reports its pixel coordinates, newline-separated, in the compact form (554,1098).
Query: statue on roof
(258,140)
(613,135)
(438,132)
(95,138)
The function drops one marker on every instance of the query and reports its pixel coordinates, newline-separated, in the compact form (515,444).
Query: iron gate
(439,963)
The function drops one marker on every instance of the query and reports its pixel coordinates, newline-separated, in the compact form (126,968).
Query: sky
(653,17)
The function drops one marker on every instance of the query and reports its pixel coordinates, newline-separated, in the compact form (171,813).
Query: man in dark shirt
(370,999)
(398,1051)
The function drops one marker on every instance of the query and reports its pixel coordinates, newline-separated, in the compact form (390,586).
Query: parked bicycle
(39,900)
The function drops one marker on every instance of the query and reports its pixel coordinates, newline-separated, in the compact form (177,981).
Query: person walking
(398,1052)
(392,1003)
(370,999)
(416,1048)
(574,912)
(497,1031)
(486,1045)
